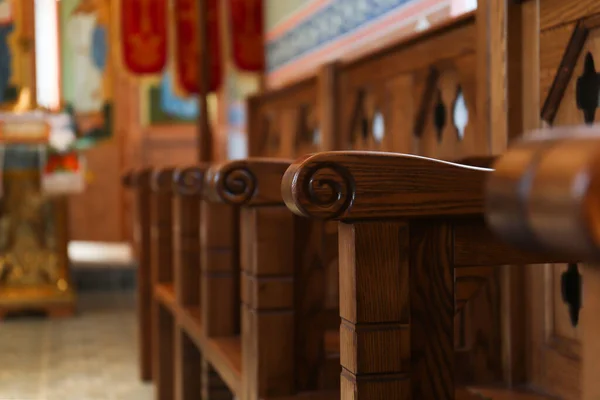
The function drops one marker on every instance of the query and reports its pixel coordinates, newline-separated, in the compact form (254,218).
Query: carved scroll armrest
(161,180)
(189,181)
(249,182)
(544,194)
(137,178)
(374,185)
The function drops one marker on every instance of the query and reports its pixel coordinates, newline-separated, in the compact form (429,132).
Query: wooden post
(162,273)
(219,281)
(186,233)
(267,302)
(375,334)
(590,333)
(139,181)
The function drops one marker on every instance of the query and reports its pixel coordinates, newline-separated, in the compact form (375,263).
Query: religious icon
(87,34)
(6,28)
(17,71)
(86,74)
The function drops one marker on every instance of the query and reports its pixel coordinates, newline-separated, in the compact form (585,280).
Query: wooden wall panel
(97,213)
(169,145)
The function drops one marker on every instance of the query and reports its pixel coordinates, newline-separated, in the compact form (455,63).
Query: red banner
(187,57)
(246,19)
(144,35)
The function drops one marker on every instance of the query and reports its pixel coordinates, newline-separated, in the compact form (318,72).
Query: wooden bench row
(245,294)
(410,254)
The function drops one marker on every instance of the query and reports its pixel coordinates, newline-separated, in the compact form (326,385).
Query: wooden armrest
(189,181)
(135,178)
(161,180)
(544,194)
(478,161)
(375,185)
(249,182)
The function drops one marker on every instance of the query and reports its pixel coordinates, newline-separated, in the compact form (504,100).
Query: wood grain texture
(267,309)
(164,353)
(219,241)
(273,115)
(252,182)
(432,310)
(358,185)
(213,387)
(188,367)
(552,193)
(139,182)
(186,234)
(375,339)
(162,220)
(555,12)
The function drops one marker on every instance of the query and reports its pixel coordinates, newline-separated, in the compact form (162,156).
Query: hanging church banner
(188,46)
(246,21)
(87,68)
(144,35)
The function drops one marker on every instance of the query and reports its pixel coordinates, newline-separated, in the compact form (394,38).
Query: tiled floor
(92,356)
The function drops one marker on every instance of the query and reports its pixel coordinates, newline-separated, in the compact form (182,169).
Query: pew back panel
(561,47)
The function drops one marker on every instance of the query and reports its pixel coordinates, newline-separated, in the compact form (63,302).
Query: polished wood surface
(139,182)
(381,188)
(283,282)
(542,196)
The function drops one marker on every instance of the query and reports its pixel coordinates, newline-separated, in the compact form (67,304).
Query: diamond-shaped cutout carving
(439,116)
(378,127)
(565,71)
(360,121)
(460,114)
(588,89)
(428,97)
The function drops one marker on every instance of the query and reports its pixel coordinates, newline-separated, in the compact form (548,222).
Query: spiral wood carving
(235,184)
(189,181)
(327,190)
(162,180)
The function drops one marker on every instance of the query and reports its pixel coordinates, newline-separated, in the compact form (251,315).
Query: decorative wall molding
(340,27)
(327,24)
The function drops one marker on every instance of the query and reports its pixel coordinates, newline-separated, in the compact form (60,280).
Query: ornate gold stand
(34,273)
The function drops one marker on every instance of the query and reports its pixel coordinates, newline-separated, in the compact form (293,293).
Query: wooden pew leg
(267,302)
(145,322)
(188,367)
(397,309)
(375,332)
(164,354)
(432,310)
(590,333)
(213,387)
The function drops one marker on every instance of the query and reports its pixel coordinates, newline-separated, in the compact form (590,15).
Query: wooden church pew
(138,181)
(411,228)
(187,186)
(313,115)
(543,196)
(290,122)
(161,271)
(284,340)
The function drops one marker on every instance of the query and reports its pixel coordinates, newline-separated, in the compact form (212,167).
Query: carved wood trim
(427,99)
(567,67)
